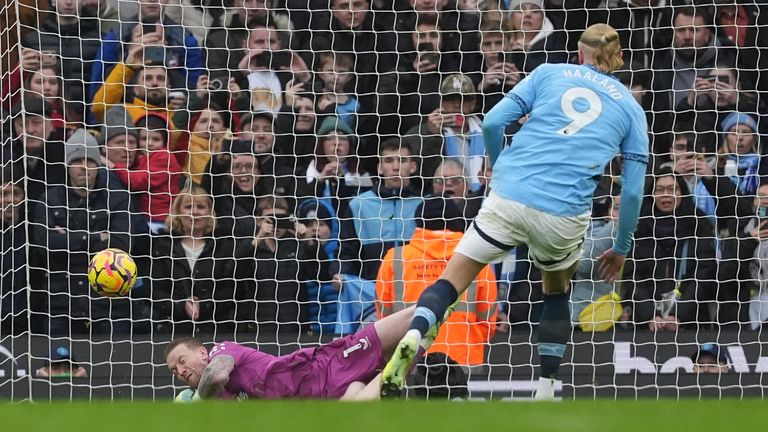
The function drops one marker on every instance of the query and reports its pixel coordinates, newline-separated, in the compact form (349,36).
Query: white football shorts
(554,242)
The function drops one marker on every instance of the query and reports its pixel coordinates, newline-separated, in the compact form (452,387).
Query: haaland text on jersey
(600,79)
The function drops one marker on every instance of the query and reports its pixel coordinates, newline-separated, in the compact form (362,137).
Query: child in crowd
(155,174)
(337,91)
(208,129)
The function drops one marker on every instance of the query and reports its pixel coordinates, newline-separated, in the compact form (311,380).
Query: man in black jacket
(428,56)
(640,27)
(280,299)
(295,138)
(13,279)
(76,221)
(37,149)
(695,49)
(352,27)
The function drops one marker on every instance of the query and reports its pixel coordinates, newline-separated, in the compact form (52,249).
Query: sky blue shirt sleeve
(634,151)
(515,104)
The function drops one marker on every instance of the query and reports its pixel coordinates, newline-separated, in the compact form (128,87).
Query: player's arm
(634,153)
(215,376)
(635,160)
(632,180)
(514,105)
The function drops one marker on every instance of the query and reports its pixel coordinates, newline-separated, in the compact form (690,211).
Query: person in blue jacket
(374,222)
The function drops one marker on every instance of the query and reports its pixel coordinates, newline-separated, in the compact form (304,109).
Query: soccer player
(579,118)
(346,368)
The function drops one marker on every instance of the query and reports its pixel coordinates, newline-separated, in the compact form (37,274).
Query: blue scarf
(706,203)
(704,200)
(453,148)
(746,183)
(348,111)
(749,180)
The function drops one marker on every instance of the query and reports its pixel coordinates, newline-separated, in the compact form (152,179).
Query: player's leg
(434,302)
(362,392)
(554,328)
(438,297)
(392,328)
(480,245)
(355,390)
(358,364)
(555,248)
(459,273)
(489,239)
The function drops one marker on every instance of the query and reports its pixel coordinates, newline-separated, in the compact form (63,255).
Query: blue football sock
(554,331)
(432,304)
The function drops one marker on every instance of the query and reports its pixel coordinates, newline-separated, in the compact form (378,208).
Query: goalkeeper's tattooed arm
(215,376)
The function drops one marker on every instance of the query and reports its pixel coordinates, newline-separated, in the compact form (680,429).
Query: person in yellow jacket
(150,92)
(408,270)
(207,132)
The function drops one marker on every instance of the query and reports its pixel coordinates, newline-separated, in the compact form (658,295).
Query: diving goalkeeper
(347,368)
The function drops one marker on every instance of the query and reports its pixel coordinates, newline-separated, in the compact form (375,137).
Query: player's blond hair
(602,42)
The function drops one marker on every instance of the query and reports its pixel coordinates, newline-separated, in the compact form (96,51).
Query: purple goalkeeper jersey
(248,378)
(321,372)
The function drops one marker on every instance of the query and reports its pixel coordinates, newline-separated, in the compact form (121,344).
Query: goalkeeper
(347,368)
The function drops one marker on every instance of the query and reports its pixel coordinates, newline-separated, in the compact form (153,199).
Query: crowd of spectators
(260,158)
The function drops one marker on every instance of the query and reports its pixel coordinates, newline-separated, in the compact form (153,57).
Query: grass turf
(393,416)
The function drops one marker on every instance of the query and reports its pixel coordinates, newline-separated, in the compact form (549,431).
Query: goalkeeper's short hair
(189,342)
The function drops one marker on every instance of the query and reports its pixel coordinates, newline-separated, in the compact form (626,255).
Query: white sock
(413,334)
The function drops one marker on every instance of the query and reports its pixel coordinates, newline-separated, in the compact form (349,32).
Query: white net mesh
(260,159)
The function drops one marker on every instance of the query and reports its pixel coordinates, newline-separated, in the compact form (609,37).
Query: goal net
(287,172)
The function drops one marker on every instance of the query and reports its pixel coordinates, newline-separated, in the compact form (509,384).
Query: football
(112,273)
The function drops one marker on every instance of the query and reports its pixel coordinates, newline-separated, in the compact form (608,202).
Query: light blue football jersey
(579,119)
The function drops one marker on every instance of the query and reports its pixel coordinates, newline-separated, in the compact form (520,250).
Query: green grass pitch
(392,416)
